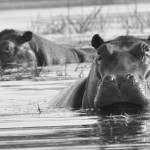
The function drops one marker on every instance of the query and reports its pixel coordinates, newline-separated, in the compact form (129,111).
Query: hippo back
(71,97)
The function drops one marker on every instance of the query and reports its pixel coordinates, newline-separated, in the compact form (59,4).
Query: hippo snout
(120,89)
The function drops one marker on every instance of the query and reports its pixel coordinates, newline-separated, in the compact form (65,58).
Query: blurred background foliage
(77,20)
(20,4)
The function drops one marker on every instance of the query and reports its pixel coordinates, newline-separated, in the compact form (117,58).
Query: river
(27,122)
(71,130)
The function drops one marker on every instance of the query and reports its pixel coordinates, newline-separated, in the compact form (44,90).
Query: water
(27,124)
(64,129)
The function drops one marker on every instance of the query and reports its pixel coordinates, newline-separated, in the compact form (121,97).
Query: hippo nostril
(109,78)
(129,76)
(147,74)
(7,48)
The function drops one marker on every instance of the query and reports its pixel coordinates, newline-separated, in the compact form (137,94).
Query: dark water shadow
(121,129)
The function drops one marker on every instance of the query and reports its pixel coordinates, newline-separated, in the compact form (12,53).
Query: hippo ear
(97,41)
(27,36)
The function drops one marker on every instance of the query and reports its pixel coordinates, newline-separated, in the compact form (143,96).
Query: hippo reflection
(119,77)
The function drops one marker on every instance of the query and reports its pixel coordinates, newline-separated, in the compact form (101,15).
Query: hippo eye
(99,57)
(147,74)
(147,49)
(147,55)
(7,49)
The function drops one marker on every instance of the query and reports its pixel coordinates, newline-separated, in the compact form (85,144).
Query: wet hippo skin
(119,77)
(15,44)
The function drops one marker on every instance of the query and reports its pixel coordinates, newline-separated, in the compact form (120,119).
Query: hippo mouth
(121,91)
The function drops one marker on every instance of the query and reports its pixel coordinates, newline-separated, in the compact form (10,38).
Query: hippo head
(120,74)
(11,41)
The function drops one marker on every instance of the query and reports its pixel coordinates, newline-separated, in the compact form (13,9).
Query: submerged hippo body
(119,77)
(16,44)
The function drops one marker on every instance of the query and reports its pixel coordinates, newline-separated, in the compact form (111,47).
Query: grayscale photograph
(75,74)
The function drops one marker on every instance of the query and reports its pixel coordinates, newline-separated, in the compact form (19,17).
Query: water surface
(64,129)
(27,124)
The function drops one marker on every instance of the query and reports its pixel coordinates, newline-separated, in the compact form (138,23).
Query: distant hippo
(12,43)
(119,77)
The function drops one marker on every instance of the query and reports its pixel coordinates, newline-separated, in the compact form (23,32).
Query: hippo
(26,44)
(9,46)
(118,79)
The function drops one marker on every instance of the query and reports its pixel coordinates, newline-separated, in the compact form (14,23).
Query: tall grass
(83,24)
(61,24)
(94,22)
(63,71)
(135,22)
(48,26)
